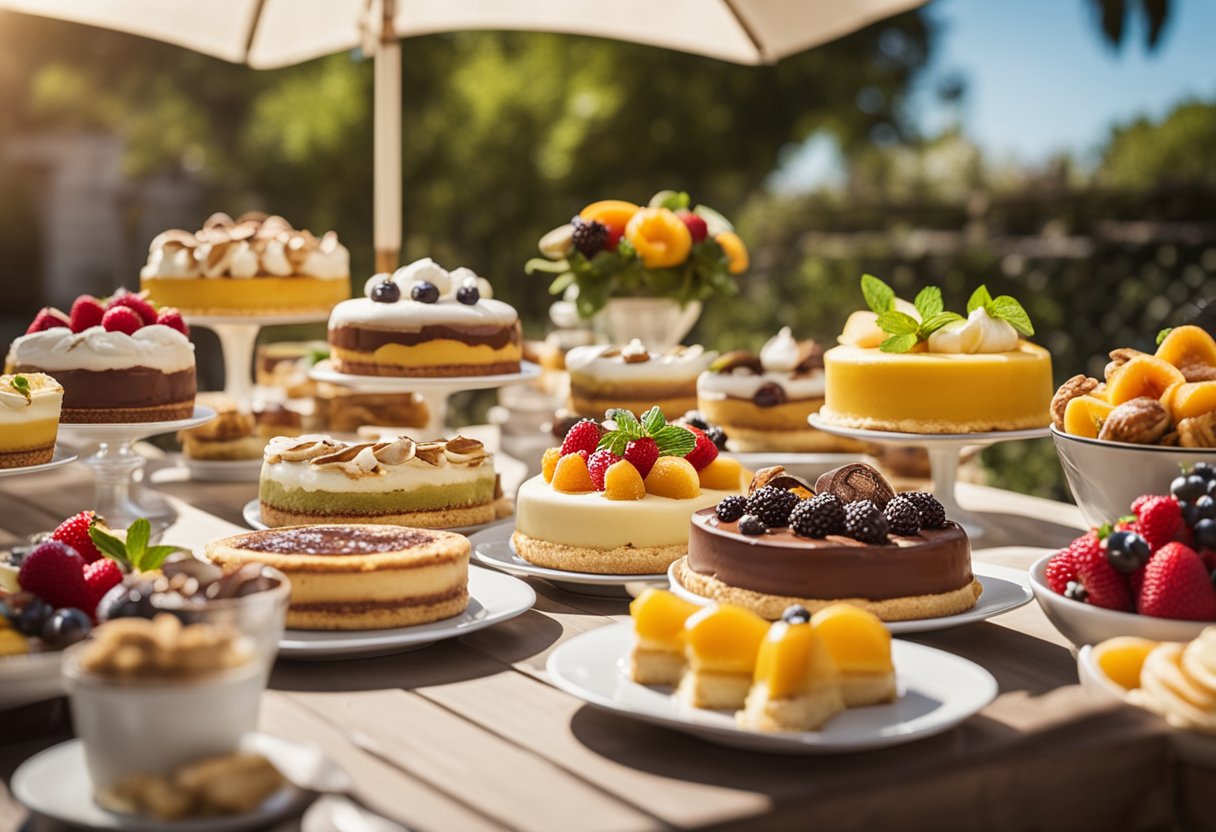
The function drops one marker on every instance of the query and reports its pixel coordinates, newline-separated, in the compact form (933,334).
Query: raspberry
(75,532)
(697,227)
(584,436)
(864,521)
(643,453)
(100,577)
(772,505)
(1061,571)
(54,572)
(136,303)
(598,465)
(122,319)
(932,513)
(1104,585)
(48,318)
(1177,585)
(902,515)
(819,516)
(731,509)
(704,452)
(172,318)
(590,238)
(1158,519)
(86,313)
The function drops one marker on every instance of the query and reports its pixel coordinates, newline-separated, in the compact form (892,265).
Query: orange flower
(736,252)
(660,237)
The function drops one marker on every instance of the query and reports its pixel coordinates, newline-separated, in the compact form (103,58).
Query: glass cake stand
(433,391)
(238,336)
(943,450)
(118,494)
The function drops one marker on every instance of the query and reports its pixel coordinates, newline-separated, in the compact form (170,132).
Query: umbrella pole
(386,187)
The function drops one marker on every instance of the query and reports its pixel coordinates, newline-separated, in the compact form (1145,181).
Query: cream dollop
(780,353)
(980,333)
(861,329)
(425,270)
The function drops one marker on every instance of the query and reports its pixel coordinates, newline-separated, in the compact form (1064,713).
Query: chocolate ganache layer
(130,387)
(367,339)
(782,563)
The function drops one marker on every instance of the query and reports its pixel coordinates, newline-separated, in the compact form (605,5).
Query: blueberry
(386,292)
(32,616)
(1205,470)
(1188,486)
(468,295)
(1127,551)
(1205,506)
(424,292)
(796,614)
(1190,514)
(1212,487)
(1205,535)
(751,524)
(696,419)
(65,627)
(718,437)
(769,395)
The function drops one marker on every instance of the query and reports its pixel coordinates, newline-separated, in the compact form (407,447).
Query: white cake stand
(943,450)
(60,457)
(117,468)
(238,336)
(433,391)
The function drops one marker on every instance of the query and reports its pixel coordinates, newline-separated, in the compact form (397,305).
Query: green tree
(1179,149)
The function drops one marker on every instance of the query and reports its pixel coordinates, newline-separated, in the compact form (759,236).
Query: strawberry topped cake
(120,360)
(616,498)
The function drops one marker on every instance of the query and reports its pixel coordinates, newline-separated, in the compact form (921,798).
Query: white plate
(223,470)
(938,690)
(60,457)
(890,437)
(807,466)
(252,513)
(418,384)
(493,598)
(55,783)
(30,678)
(1005,589)
(493,548)
(127,432)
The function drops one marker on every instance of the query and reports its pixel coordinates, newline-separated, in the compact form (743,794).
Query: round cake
(425,321)
(359,577)
(603,377)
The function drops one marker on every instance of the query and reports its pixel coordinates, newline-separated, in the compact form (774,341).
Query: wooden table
(469,735)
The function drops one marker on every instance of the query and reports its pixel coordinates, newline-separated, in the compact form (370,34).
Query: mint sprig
(905,330)
(22,385)
(879,296)
(672,440)
(134,553)
(1003,308)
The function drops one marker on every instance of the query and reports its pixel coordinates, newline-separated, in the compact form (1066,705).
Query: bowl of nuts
(1132,433)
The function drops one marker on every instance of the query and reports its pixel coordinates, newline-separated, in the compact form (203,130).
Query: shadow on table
(1018,530)
(1018,661)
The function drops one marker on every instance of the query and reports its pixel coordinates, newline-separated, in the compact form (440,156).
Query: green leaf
(898,323)
(899,343)
(561,283)
(879,296)
(672,200)
(624,418)
(674,440)
(653,420)
(544,264)
(154,556)
(1005,308)
(22,385)
(1163,333)
(625,249)
(936,322)
(979,297)
(929,302)
(109,545)
(138,535)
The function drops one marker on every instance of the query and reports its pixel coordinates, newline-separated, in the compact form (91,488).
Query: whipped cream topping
(157,347)
(1179,683)
(780,353)
(633,361)
(779,359)
(979,333)
(43,402)
(251,245)
(411,315)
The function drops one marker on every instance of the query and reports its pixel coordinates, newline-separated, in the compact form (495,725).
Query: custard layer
(251,296)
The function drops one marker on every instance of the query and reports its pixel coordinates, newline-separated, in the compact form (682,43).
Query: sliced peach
(1084,416)
(548,463)
(1121,658)
(571,475)
(723,474)
(614,214)
(1186,345)
(674,477)
(1144,375)
(623,482)
(1194,398)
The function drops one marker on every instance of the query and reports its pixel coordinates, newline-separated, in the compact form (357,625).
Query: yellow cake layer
(378,586)
(25,437)
(439,352)
(217,295)
(938,392)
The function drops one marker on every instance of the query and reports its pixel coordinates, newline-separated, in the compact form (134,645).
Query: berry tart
(849,538)
(916,368)
(423,320)
(253,265)
(616,500)
(119,361)
(606,377)
(29,419)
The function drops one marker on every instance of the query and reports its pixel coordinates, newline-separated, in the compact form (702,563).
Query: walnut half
(1141,421)
(1076,386)
(1198,431)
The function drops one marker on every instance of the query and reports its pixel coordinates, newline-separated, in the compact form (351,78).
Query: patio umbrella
(273,33)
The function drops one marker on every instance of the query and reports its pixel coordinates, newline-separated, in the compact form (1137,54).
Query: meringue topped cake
(425,321)
(359,577)
(29,419)
(603,377)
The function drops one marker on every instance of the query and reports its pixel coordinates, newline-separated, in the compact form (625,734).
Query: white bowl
(1105,477)
(1086,624)
(1094,681)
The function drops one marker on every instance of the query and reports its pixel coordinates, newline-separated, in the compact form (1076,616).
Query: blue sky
(1040,79)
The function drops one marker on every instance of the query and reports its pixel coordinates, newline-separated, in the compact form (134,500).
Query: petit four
(796,681)
(860,647)
(29,419)
(721,645)
(657,657)
(342,410)
(229,436)
(605,377)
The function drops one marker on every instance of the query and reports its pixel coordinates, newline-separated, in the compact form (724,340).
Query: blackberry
(731,509)
(864,521)
(902,515)
(1205,470)
(818,517)
(932,513)
(696,419)
(751,524)
(589,237)
(718,437)
(796,614)
(772,505)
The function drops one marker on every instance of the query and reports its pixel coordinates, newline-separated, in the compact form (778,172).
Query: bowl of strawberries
(1148,574)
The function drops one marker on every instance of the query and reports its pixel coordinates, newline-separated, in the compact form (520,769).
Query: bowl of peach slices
(1152,415)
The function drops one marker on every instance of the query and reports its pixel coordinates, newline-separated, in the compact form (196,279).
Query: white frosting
(157,347)
(170,262)
(330,259)
(606,361)
(244,262)
(779,358)
(43,404)
(980,333)
(780,353)
(244,249)
(274,259)
(410,315)
(425,270)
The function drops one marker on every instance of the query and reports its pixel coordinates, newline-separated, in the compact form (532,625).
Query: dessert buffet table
(469,735)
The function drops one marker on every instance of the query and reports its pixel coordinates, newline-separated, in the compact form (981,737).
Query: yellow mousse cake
(425,321)
(29,419)
(253,265)
(970,375)
(359,577)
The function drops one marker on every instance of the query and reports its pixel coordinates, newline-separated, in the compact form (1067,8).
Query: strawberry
(584,436)
(1104,585)
(1061,570)
(705,451)
(642,453)
(1177,585)
(614,237)
(87,312)
(598,465)
(75,532)
(1139,502)
(134,302)
(54,572)
(47,318)
(1158,519)
(122,319)
(172,318)
(696,226)
(100,577)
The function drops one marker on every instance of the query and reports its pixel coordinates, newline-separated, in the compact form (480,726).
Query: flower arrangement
(666,249)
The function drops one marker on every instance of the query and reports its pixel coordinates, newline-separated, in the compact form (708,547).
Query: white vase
(659,323)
